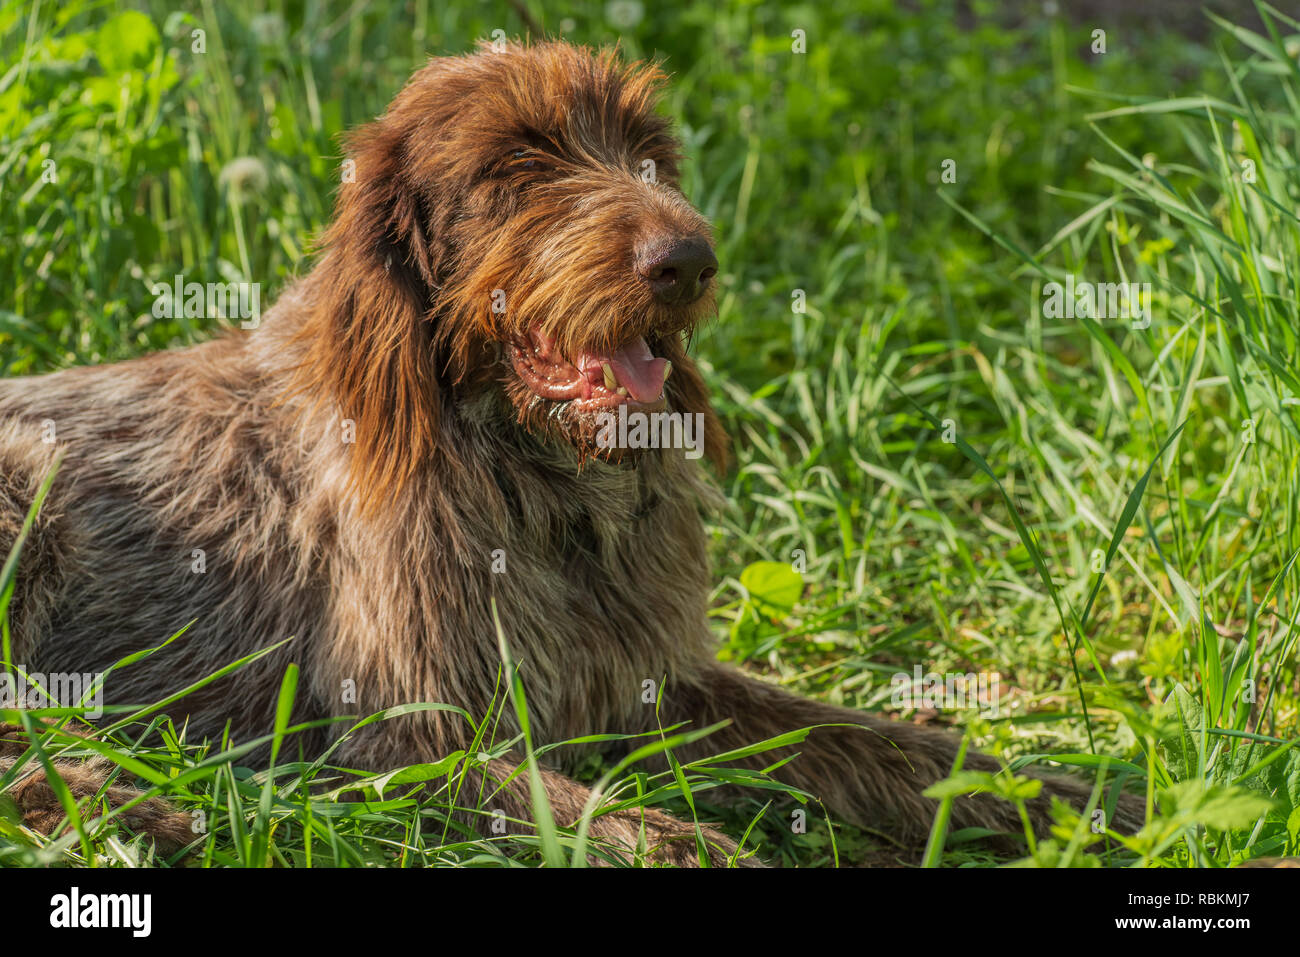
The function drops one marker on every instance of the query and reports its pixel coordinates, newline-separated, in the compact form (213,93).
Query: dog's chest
(600,588)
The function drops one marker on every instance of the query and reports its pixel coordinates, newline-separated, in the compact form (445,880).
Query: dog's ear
(368,343)
(688,393)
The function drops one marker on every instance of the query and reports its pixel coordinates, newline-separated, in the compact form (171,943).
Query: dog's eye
(520,166)
(529,160)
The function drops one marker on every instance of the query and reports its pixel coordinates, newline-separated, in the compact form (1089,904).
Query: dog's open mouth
(631,374)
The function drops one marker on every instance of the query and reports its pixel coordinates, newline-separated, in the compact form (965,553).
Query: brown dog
(415,433)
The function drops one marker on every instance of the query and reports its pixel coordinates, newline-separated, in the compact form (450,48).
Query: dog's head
(513,223)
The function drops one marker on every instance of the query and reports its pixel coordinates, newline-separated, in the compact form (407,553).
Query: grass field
(934,466)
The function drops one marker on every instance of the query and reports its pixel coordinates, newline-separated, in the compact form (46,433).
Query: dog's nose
(677,271)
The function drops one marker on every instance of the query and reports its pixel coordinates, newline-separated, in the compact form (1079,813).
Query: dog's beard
(566,425)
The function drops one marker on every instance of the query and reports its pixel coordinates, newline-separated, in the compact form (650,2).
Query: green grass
(1072,444)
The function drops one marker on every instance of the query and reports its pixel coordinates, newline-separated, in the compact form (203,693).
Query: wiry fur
(376,556)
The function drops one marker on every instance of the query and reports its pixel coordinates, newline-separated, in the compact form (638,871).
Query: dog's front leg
(494,799)
(85,778)
(871,774)
(501,791)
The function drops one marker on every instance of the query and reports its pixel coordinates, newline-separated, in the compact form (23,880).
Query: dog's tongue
(638,370)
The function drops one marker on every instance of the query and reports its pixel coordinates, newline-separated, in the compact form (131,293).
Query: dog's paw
(1126,818)
(668,841)
(43,812)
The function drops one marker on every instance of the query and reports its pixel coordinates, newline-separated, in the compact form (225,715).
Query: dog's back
(168,508)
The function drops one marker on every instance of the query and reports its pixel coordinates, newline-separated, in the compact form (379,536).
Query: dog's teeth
(621,390)
(668,370)
(610,381)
